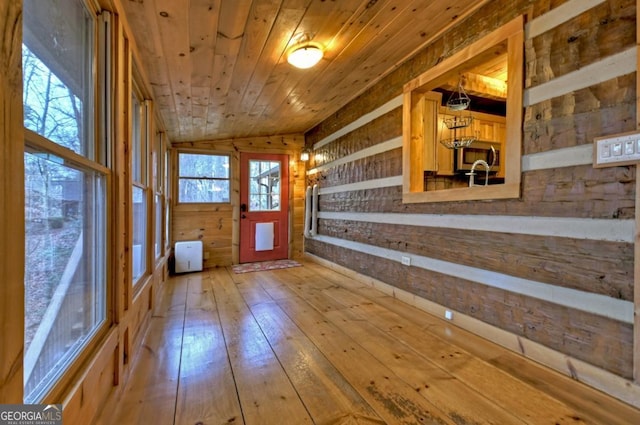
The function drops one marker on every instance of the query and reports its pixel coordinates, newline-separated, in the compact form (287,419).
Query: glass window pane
(264,186)
(167,223)
(157,182)
(203,165)
(65,276)
(165,172)
(139,233)
(158,233)
(203,178)
(197,190)
(137,141)
(57,54)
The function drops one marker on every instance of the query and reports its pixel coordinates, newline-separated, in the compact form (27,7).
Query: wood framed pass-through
(492,69)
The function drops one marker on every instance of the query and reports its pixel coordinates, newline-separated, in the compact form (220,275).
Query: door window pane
(264,185)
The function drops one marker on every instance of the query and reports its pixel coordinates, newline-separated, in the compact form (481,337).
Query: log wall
(217,225)
(554,267)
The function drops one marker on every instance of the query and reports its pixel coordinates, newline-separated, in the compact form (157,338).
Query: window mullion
(37,142)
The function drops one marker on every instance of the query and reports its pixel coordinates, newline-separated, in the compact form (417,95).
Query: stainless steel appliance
(465,157)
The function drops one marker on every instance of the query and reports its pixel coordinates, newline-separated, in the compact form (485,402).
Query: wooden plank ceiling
(218,68)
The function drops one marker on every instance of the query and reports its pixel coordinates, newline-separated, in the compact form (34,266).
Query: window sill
(476,193)
(195,207)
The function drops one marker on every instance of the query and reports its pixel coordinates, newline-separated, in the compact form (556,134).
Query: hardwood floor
(307,345)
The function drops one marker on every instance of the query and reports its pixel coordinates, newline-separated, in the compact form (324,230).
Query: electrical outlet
(448,314)
(406,260)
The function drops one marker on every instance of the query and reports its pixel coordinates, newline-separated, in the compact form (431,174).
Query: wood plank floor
(307,345)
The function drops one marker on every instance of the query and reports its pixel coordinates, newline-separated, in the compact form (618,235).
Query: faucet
(472,173)
(487,167)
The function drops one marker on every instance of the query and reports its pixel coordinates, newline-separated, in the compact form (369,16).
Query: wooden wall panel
(138,314)
(96,381)
(213,228)
(217,225)
(573,191)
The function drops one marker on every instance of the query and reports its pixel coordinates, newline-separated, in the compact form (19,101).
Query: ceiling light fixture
(305,53)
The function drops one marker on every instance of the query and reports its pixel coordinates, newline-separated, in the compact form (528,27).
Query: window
(167,199)
(157,205)
(65,192)
(139,189)
(459,146)
(203,178)
(158,184)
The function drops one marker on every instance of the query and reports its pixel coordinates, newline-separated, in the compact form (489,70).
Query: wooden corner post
(11,204)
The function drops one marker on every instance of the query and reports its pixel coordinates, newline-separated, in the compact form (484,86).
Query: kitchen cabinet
(424,126)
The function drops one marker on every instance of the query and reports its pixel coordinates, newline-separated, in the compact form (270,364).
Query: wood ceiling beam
(481,86)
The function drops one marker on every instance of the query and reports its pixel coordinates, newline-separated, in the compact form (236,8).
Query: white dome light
(305,56)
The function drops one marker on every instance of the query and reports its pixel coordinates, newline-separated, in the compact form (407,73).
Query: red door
(264,207)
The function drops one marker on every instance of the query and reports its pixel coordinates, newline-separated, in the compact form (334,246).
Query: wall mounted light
(304,155)
(305,53)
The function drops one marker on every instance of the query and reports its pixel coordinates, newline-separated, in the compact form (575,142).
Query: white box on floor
(188,256)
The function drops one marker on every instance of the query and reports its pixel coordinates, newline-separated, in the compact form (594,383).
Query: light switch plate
(616,149)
